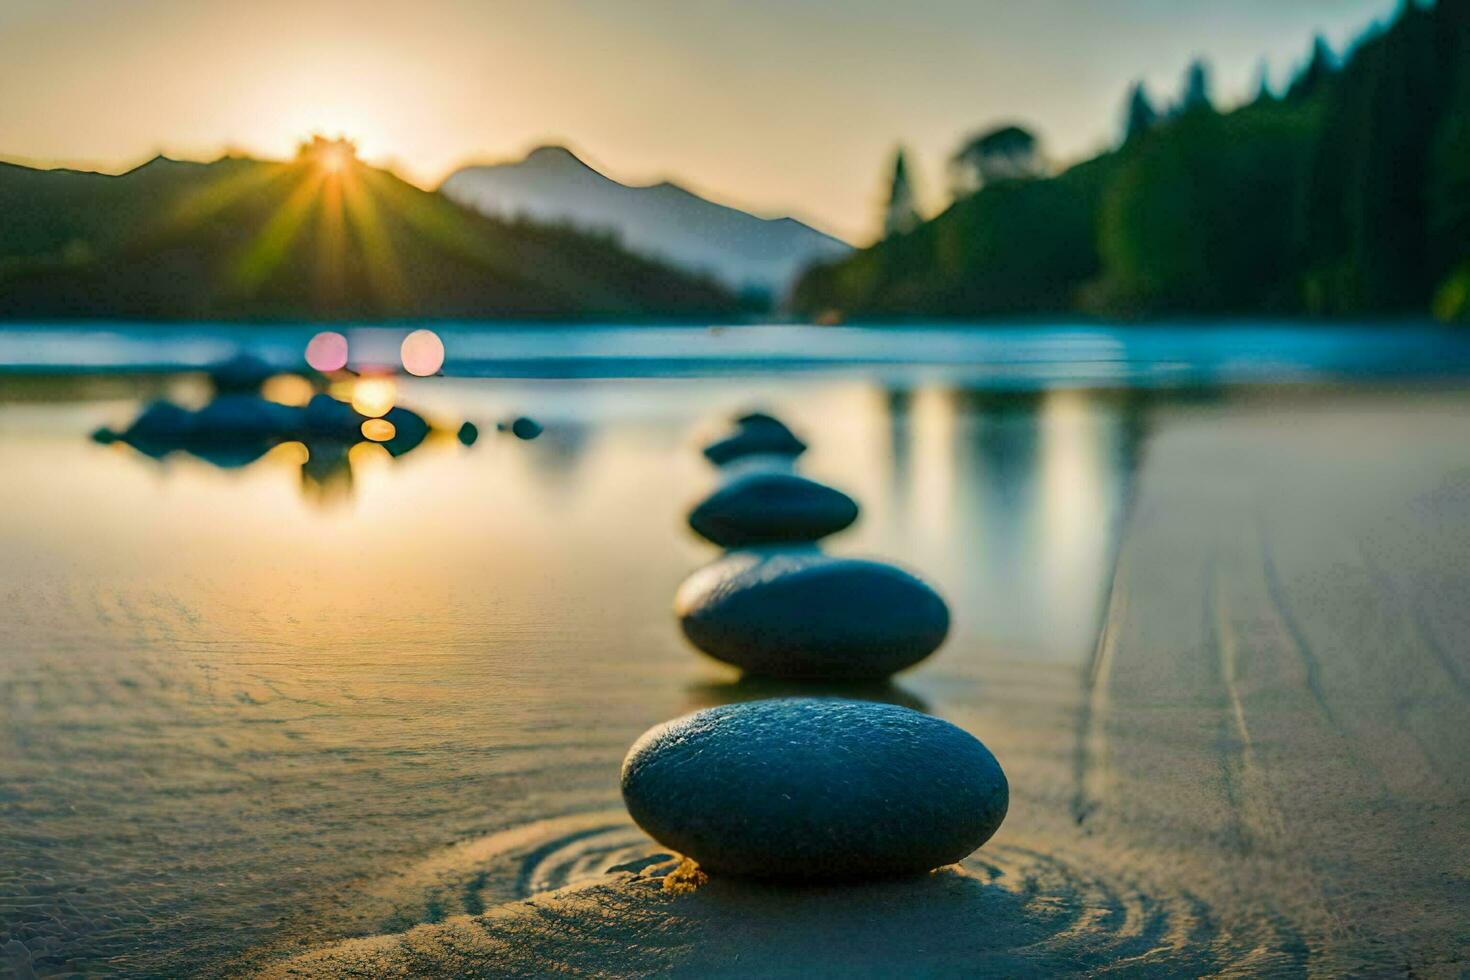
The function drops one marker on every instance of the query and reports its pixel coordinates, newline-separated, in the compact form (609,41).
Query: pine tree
(1140,115)
(902,213)
(1320,67)
(1370,189)
(1196,88)
(1264,92)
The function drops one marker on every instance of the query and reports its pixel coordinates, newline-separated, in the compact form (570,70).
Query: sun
(343,206)
(333,161)
(329,155)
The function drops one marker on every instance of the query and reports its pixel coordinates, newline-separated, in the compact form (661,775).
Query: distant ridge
(315,238)
(662,220)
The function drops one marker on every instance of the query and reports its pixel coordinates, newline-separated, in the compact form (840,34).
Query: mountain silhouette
(321,237)
(662,220)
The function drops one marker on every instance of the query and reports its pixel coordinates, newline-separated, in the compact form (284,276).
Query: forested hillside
(320,237)
(1347,195)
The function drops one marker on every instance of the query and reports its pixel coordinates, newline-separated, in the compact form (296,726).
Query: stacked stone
(806,788)
(777,605)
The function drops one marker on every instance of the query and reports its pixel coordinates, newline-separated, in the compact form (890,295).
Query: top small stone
(756,434)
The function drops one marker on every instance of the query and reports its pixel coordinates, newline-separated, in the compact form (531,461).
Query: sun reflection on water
(288,454)
(287,389)
(378,430)
(369,456)
(373,396)
(1075,502)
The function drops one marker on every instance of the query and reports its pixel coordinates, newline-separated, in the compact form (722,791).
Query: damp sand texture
(407,761)
(1268,765)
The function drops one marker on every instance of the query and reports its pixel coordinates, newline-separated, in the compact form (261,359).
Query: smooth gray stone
(796,612)
(815,788)
(755,434)
(770,508)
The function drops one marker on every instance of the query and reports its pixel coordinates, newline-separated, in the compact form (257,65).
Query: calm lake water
(247,709)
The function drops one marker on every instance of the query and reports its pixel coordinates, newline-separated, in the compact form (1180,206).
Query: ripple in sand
(515,863)
(1008,907)
(580,857)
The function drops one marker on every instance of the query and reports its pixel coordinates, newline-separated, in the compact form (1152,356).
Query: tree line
(1345,194)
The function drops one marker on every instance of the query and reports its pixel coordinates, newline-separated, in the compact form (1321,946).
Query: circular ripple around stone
(1018,908)
(511,864)
(580,857)
(1103,923)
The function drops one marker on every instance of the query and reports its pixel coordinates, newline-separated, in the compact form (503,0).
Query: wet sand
(1263,769)
(245,722)
(1280,694)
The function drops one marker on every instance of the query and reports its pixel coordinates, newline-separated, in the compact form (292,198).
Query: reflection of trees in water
(73,388)
(1025,491)
(901,447)
(560,449)
(553,461)
(326,473)
(998,454)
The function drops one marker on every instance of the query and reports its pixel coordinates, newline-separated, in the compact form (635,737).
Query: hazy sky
(776,105)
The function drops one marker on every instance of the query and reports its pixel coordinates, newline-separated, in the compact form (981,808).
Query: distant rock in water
(756,434)
(240,417)
(664,221)
(468,433)
(815,788)
(521,427)
(333,419)
(244,372)
(250,421)
(235,418)
(770,508)
(797,612)
(409,430)
(160,422)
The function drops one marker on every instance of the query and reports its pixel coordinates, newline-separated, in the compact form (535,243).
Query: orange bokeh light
(373,396)
(287,389)
(378,430)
